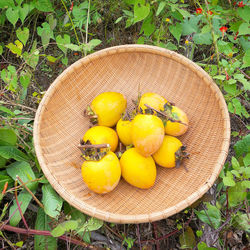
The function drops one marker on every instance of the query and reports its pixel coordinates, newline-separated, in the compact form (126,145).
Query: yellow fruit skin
(175,128)
(101,135)
(147,134)
(102,176)
(152,99)
(137,170)
(124,131)
(165,156)
(109,106)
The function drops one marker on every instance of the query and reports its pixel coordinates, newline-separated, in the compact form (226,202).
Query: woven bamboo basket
(60,124)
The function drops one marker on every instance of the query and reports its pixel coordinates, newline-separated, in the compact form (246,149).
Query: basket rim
(142,218)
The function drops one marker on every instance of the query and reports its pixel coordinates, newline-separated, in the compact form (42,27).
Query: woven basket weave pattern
(60,124)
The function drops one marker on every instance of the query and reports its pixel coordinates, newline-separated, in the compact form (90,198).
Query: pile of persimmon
(146,138)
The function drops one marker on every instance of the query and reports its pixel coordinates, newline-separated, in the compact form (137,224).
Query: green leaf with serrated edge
(12,15)
(176,31)
(190,25)
(52,201)
(236,194)
(11,152)
(140,12)
(24,171)
(212,215)
(242,146)
(25,198)
(187,239)
(160,8)
(44,5)
(62,41)
(63,227)
(91,224)
(244,29)
(3,180)
(7,137)
(246,160)
(23,35)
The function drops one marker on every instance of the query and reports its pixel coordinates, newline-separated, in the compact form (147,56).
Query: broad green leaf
(169,46)
(236,194)
(183,12)
(65,60)
(242,146)
(141,40)
(25,79)
(246,59)
(230,88)
(25,173)
(62,41)
(52,201)
(94,42)
(45,33)
(63,227)
(24,11)
(187,239)
(12,15)
(9,76)
(74,213)
(235,163)
(235,173)
(140,12)
(203,246)
(11,152)
(160,8)
(44,5)
(1,50)
(42,223)
(228,180)
(7,3)
(52,22)
(244,43)
(148,26)
(7,137)
(91,225)
(246,160)
(242,222)
(203,38)
(176,31)
(235,106)
(244,13)
(212,214)
(2,162)
(25,198)
(3,180)
(52,59)
(14,49)
(190,25)
(73,47)
(32,58)
(23,35)
(244,29)
(246,184)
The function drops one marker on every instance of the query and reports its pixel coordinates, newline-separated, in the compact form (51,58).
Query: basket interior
(61,125)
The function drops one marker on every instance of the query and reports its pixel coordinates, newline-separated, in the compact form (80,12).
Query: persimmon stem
(165,115)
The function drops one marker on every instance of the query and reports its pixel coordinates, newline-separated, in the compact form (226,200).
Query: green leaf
(187,239)
(236,194)
(244,29)
(62,41)
(52,59)
(170,46)
(52,201)
(14,49)
(160,8)
(244,43)
(1,50)
(242,146)
(230,88)
(118,19)
(73,47)
(25,173)
(183,12)
(140,12)
(25,79)
(241,221)
(25,198)
(44,5)
(7,137)
(228,180)
(23,35)
(235,163)
(244,13)
(246,184)
(3,180)
(235,173)
(148,26)
(203,38)
(12,15)
(190,25)
(65,60)
(199,233)
(2,162)
(6,4)
(203,246)
(212,214)
(176,31)
(32,58)
(235,106)
(24,11)
(246,160)
(141,40)
(6,110)
(46,33)
(246,59)
(11,152)
(9,76)
(63,227)
(91,225)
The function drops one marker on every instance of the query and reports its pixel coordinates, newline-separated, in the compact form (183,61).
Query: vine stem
(65,7)
(46,233)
